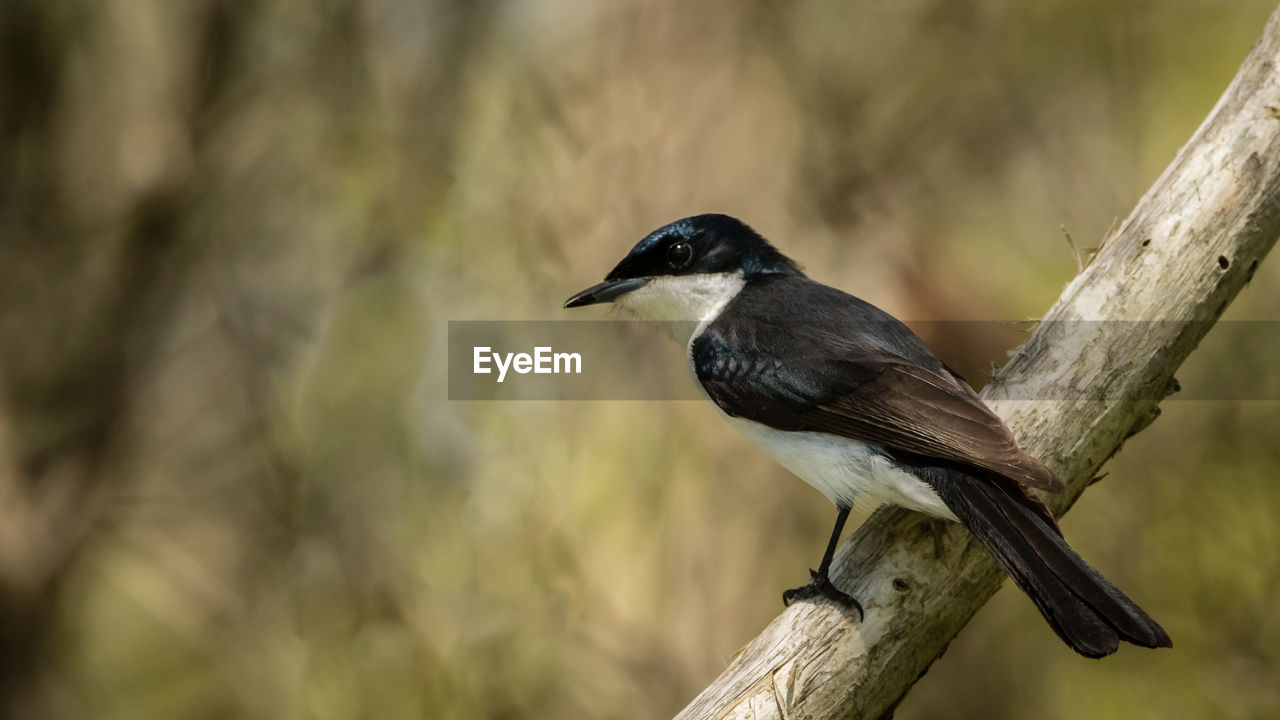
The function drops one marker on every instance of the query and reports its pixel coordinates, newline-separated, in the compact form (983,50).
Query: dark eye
(679,255)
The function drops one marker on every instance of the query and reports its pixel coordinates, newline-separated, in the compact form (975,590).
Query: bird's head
(687,270)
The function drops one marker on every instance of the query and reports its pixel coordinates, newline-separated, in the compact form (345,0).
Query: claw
(820,586)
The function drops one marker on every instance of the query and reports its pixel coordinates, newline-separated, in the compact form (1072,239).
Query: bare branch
(1180,257)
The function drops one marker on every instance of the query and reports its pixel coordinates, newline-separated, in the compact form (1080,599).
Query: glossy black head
(702,244)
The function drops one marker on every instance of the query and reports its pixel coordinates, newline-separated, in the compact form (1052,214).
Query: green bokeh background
(232,234)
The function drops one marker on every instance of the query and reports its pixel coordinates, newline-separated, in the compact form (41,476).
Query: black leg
(820,582)
(841,516)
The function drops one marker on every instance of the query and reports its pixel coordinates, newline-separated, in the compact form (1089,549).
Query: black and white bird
(855,404)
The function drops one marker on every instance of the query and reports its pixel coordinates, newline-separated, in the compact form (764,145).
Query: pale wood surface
(1179,258)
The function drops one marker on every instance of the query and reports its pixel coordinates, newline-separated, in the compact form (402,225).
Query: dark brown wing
(917,411)
(857,373)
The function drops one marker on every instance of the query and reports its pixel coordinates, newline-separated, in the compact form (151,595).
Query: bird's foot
(820,586)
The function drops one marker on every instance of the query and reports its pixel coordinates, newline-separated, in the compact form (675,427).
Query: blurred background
(232,233)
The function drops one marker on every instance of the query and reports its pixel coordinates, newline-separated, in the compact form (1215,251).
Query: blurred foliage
(232,233)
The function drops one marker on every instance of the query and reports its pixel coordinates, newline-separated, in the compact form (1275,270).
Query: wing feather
(769,372)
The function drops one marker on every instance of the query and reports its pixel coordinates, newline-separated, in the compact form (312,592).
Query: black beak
(605,291)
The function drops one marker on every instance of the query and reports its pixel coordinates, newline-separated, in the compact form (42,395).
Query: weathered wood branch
(1087,379)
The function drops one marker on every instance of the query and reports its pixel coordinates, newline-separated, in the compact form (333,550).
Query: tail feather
(1089,613)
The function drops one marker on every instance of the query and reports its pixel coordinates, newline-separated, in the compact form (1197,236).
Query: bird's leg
(820,582)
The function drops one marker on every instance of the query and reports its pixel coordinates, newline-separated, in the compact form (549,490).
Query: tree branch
(1180,257)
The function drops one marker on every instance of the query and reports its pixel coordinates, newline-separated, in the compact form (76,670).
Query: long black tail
(1086,611)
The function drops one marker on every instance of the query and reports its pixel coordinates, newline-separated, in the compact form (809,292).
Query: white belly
(850,473)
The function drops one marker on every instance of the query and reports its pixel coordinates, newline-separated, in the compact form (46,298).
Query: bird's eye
(679,255)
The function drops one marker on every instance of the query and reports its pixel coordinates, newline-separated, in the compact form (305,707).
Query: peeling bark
(1193,241)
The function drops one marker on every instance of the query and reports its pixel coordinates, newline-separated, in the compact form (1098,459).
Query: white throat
(683,304)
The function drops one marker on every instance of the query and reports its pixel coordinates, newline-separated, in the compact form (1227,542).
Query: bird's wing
(821,384)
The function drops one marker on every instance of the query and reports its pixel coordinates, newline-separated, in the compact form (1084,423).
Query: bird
(855,404)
